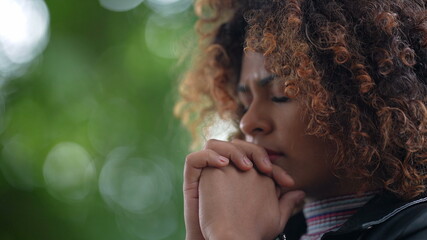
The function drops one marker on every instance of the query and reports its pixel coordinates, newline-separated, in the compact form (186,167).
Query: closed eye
(280,99)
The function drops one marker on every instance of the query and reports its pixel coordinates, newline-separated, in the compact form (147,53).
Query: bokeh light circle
(134,184)
(169,7)
(69,172)
(120,5)
(18,163)
(163,35)
(24,26)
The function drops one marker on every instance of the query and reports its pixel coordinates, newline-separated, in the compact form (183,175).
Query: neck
(338,187)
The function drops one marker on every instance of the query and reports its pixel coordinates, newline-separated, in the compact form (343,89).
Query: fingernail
(223,159)
(247,161)
(267,161)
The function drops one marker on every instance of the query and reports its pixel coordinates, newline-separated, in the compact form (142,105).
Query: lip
(273,155)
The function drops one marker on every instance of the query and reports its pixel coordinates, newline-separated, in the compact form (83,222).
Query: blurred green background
(89,145)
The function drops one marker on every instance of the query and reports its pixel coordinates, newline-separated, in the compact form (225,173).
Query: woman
(330,101)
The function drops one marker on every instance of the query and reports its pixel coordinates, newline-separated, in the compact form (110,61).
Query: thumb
(287,204)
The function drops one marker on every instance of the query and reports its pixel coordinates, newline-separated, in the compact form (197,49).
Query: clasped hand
(235,201)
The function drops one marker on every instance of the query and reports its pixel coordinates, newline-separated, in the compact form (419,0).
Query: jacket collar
(376,211)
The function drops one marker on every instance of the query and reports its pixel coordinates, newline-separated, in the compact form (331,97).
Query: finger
(191,216)
(232,152)
(195,162)
(287,203)
(257,154)
(281,177)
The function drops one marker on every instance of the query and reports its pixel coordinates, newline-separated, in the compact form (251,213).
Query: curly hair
(360,68)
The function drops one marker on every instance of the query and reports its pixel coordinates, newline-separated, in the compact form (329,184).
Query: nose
(256,121)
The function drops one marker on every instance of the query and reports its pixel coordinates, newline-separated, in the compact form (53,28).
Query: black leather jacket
(383,218)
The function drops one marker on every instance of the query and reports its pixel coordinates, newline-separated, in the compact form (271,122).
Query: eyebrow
(262,82)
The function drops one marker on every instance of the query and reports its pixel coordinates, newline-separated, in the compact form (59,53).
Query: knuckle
(236,152)
(259,150)
(210,154)
(192,158)
(210,143)
(197,158)
(189,158)
(251,148)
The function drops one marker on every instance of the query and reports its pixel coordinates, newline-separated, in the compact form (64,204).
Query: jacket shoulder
(408,224)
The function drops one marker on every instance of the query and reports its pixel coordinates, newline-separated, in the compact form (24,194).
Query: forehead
(253,68)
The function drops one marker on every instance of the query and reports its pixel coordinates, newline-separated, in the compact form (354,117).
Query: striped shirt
(329,214)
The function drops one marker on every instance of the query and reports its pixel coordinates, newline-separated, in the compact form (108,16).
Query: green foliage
(90,147)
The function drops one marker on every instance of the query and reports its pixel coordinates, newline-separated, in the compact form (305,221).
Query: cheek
(293,137)
(307,155)
(298,144)
(317,154)
(304,152)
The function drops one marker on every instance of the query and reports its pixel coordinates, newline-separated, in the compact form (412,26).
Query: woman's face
(275,122)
